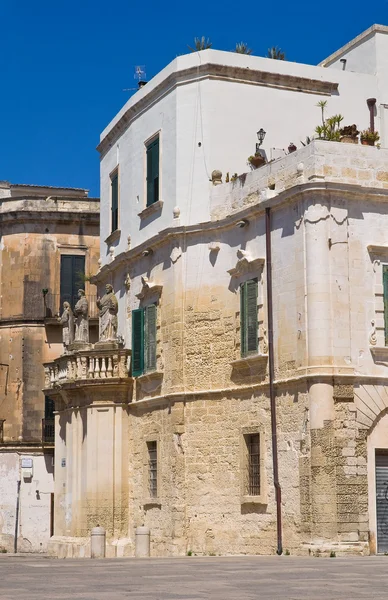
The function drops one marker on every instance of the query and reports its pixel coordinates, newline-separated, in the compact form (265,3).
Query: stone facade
(185,425)
(38,226)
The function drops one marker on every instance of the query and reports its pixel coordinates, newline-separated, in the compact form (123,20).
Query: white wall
(360,58)
(208,124)
(34,510)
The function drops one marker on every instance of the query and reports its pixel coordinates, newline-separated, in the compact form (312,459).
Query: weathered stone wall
(30,262)
(200,505)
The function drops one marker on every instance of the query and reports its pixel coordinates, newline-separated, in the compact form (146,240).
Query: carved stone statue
(109,308)
(67,322)
(81,311)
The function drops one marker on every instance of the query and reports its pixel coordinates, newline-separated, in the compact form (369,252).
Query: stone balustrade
(84,365)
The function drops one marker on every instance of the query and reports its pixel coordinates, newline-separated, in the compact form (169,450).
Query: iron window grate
(152,469)
(253,464)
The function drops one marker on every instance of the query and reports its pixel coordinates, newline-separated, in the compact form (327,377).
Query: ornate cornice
(128,257)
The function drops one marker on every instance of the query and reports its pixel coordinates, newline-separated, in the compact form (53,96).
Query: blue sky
(64,65)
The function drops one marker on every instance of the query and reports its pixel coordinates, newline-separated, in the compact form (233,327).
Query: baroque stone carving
(108,307)
(216,177)
(372,334)
(81,311)
(67,322)
(265,341)
(245,263)
(148,288)
(176,253)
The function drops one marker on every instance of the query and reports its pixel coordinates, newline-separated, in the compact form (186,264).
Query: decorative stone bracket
(379,256)
(245,264)
(149,288)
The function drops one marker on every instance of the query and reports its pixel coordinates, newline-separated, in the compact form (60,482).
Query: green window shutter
(150,338)
(115,202)
(385,287)
(243,319)
(252,324)
(248,316)
(137,342)
(153,172)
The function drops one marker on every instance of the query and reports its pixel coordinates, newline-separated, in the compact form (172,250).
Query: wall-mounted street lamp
(260,136)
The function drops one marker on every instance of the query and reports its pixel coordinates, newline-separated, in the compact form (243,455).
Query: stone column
(319,361)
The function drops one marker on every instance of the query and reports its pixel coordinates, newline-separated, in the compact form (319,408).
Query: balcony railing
(48,431)
(53,305)
(87,365)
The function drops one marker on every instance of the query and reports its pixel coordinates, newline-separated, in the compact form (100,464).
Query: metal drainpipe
(15,542)
(278,491)
(371,102)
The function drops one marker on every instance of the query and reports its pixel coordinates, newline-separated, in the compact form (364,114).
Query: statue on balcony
(67,322)
(108,307)
(81,311)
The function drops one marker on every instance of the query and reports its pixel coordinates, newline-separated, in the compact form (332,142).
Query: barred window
(152,469)
(253,464)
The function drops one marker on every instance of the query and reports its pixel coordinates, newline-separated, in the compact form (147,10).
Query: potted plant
(257,160)
(291,147)
(349,134)
(369,137)
(330,129)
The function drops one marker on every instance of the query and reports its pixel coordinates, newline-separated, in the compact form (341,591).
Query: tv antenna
(140,75)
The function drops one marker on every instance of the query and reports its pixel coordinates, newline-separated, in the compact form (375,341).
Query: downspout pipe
(278,490)
(15,541)
(371,102)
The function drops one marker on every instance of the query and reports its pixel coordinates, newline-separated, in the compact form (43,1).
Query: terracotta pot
(257,161)
(368,142)
(347,139)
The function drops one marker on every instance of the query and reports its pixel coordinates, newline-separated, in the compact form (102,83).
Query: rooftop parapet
(320,161)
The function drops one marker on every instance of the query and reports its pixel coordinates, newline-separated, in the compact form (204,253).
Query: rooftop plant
(276,53)
(350,131)
(330,129)
(242,48)
(201,44)
(370,137)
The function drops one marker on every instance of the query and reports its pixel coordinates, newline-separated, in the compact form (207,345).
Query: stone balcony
(93,365)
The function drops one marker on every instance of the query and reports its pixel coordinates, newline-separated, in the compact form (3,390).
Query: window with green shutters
(385,287)
(153,172)
(249,317)
(72,278)
(144,340)
(114,184)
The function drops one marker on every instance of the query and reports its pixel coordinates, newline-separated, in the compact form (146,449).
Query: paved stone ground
(194,578)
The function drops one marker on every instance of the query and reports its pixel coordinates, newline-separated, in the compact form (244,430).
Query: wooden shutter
(385,287)
(243,319)
(248,317)
(137,342)
(252,324)
(150,338)
(114,202)
(66,286)
(153,172)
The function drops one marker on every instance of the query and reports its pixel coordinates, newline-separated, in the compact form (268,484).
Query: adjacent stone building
(267,290)
(49,247)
